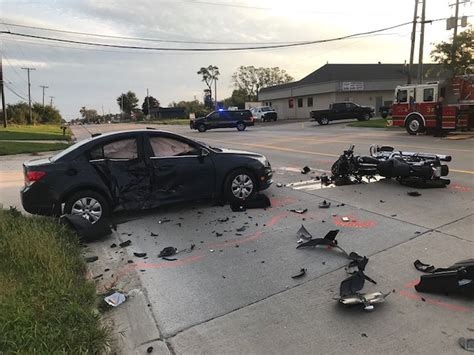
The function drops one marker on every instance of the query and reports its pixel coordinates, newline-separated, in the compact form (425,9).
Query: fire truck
(415,105)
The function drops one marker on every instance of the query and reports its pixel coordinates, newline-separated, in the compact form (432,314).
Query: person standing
(439,118)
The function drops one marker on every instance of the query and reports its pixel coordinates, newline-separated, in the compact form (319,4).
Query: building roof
(362,72)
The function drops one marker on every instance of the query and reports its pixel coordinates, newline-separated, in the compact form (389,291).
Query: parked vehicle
(139,169)
(415,106)
(424,168)
(385,111)
(342,111)
(264,113)
(239,119)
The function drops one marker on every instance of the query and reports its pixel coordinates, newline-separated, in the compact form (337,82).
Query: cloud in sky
(89,76)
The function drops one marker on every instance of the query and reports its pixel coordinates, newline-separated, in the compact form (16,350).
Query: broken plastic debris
(115,299)
(303,234)
(140,255)
(299,210)
(153,234)
(125,243)
(164,220)
(223,219)
(241,229)
(168,251)
(91,259)
(466,344)
(305,170)
(345,219)
(279,184)
(149,349)
(113,245)
(325,204)
(413,193)
(300,274)
(212,250)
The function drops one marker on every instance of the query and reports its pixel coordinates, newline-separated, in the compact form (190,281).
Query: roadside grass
(46,304)
(376,123)
(170,121)
(7,148)
(36,132)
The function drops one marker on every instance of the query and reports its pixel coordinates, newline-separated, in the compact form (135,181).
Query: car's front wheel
(240,126)
(201,128)
(240,186)
(87,204)
(364,117)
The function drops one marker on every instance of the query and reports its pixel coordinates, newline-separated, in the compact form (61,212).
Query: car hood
(239,152)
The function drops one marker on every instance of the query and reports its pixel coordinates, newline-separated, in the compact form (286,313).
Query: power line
(204,49)
(138,38)
(14,92)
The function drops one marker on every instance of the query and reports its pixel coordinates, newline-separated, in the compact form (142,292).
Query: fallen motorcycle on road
(408,168)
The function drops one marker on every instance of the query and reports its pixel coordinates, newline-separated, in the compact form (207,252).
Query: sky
(78,75)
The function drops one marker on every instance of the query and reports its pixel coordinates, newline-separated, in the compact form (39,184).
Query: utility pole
(121,108)
(51,102)
(422,39)
(30,119)
(215,93)
(456,14)
(4,110)
(413,36)
(44,87)
(147,104)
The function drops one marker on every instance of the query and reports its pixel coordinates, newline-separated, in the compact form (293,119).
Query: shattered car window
(169,147)
(123,149)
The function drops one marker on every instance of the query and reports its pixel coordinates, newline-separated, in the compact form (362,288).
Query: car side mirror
(203,153)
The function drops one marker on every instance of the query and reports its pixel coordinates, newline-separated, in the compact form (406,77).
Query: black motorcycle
(410,168)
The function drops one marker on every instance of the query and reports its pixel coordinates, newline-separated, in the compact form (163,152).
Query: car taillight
(254,119)
(32,176)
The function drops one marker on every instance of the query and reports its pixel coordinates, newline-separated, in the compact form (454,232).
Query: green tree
(88,115)
(154,103)
(18,113)
(193,106)
(237,99)
(456,56)
(210,76)
(47,114)
(127,102)
(250,79)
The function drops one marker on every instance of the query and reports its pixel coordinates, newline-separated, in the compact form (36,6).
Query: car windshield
(68,150)
(266,109)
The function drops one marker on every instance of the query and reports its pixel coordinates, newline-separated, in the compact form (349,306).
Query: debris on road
(325,204)
(139,255)
(303,235)
(125,243)
(91,259)
(223,219)
(413,193)
(345,219)
(259,201)
(299,210)
(113,245)
(300,274)
(153,234)
(149,349)
(168,251)
(115,299)
(279,184)
(455,279)
(466,344)
(164,220)
(241,229)
(305,170)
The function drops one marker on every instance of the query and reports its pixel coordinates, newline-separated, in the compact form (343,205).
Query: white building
(364,84)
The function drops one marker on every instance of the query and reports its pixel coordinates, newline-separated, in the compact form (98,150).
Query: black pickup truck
(342,111)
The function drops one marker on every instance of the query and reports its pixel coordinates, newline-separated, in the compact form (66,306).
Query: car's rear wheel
(364,117)
(323,121)
(240,186)
(201,128)
(87,204)
(240,126)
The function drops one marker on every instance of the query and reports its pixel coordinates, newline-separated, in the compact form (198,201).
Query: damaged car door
(182,170)
(122,166)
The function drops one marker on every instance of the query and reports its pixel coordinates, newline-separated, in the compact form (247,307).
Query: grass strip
(34,132)
(46,304)
(7,148)
(377,123)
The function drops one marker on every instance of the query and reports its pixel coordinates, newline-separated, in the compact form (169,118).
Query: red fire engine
(415,105)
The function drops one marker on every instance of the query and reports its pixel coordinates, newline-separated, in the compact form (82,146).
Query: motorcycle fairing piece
(455,279)
(329,240)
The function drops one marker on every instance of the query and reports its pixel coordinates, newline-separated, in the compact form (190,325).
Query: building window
(291,103)
(310,102)
(300,102)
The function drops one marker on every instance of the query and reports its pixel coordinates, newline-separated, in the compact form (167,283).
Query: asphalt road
(234,292)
